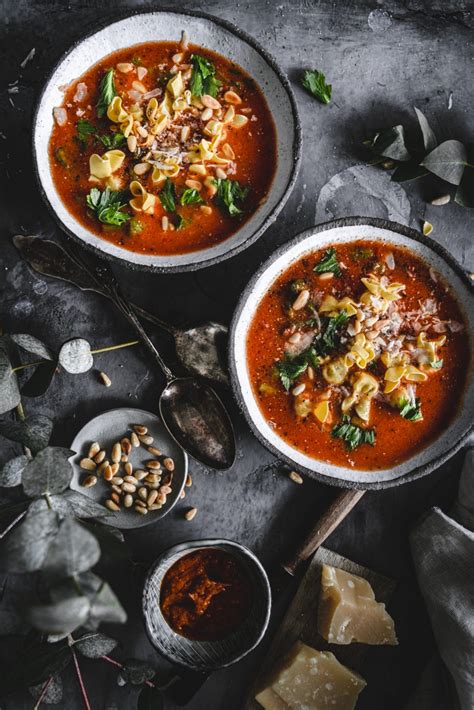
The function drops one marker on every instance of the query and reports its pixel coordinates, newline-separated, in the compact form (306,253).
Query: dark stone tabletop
(382,59)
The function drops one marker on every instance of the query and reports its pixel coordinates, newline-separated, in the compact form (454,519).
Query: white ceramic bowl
(209,32)
(340,232)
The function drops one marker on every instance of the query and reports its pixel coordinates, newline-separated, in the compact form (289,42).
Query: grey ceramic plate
(339,232)
(205,655)
(111,426)
(207,31)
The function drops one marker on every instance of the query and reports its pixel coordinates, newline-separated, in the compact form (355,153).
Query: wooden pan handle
(321,530)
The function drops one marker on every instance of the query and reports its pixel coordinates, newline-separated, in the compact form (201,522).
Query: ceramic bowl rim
(296,147)
(188,546)
(332,480)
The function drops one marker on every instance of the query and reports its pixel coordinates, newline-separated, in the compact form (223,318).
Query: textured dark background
(382,59)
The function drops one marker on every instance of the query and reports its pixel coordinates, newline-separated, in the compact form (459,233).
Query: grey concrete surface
(382,59)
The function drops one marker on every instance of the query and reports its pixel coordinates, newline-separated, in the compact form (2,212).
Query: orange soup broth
(254,146)
(396,438)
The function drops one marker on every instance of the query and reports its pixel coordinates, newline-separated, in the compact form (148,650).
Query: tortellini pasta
(102,166)
(335,371)
(361,353)
(364,388)
(395,374)
(332,306)
(428,348)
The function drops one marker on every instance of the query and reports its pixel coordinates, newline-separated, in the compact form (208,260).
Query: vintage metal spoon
(201,349)
(191,410)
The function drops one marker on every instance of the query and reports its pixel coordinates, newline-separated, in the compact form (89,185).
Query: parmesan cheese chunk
(312,680)
(349,612)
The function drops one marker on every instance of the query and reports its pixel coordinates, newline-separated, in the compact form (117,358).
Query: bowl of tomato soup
(351,353)
(166,140)
(206,603)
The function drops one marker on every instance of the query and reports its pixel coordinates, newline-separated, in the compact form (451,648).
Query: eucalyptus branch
(44,690)
(12,524)
(113,662)
(81,681)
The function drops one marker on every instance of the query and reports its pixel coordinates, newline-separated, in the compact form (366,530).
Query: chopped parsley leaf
(328,263)
(353,435)
(108,206)
(107,93)
(168,196)
(203,79)
(411,410)
(229,192)
(314,81)
(191,196)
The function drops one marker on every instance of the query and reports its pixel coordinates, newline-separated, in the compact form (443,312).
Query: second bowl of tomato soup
(167,140)
(351,353)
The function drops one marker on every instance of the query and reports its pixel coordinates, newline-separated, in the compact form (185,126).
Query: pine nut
(232,98)
(132,143)
(105,379)
(141,168)
(126,445)
(182,494)
(93,450)
(221,174)
(168,463)
(140,429)
(301,300)
(239,121)
(154,451)
(210,102)
(135,441)
(102,467)
(115,497)
(123,458)
(142,511)
(189,481)
(111,505)
(141,72)
(116,452)
(298,389)
(206,114)
(206,209)
(143,493)
(116,480)
(310,372)
(153,465)
(128,468)
(185,133)
(155,506)
(140,474)
(151,478)
(443,200)
(116,489)
(295,477)
(131,479)
(89,481)
(108,473)
(166,490)
(193,184)
(141,131)
(152,496)
(326,276)
(138,86)
(98,458)
(129,488)
(115,467)
(128,501)
(191,513)
(124,67)
(87,464)
(161,498)
(228,152)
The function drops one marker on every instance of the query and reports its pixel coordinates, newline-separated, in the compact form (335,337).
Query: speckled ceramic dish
(333,233)
(205,655)
(111,426)
(206,31)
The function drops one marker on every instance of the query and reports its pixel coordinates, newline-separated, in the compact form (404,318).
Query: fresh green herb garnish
(107,93)
(60,156)
(411,410)
(290,369)
(353,435)
(329,337)
(84,129)
(168,196)
(362,254)
(191,196)
(108,206)
(135,226)
(229,192)
(314,81)
(182,222)
(203,79)
(114,140)
(436,364)
(328,263)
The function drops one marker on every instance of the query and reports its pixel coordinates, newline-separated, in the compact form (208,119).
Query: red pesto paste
(206,595)
(396,438)
(254,146)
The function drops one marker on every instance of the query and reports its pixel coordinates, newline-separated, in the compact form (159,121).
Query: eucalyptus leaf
(33,432)
(95,645)
(40,380)
(32,345)
(391,144)
(78,505)
(447,161)
(49,472)
(38,663)
(408,171)
(27,544)
(60,617)
(429,138)
(10,475)
(88,583)
(106,607)
(54,691)
(74,550)
(150,698)
(465,192)
(9,391)
(137,672)
(75,356)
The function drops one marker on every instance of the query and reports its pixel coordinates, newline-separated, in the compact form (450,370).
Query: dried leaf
(391,144)
(75,356)
(53,694)
(40,380)
(447,161)
(33,432)
(10,474)
(49,472)
(429,138)
(95,645)
(26,545)
(74,550)
(9,391)
(32,345)
(61,617)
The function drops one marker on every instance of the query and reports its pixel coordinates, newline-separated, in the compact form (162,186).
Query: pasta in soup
(358,355)
(163,149)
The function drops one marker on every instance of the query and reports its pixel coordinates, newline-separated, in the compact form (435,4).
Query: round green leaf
(74,550)
(49,472)
(75,356)
(26,545)
(10,475)
(447,161)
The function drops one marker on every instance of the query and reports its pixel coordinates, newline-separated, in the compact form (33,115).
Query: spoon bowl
(195,416)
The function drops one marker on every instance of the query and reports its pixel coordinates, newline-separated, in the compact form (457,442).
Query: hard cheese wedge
(349,612)
(311,680)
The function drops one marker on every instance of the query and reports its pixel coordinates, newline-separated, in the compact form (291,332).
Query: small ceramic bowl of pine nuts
(126,460)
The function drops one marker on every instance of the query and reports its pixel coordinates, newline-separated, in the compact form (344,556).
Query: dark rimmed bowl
(343,231)
(205,30)
(205,656)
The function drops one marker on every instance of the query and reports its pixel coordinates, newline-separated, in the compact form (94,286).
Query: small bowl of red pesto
(206,603)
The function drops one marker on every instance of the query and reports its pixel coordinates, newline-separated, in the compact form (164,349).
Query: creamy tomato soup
(358,355)
(163,149)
